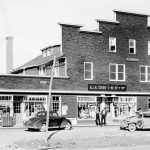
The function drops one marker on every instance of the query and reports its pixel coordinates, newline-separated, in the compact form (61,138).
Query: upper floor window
(49,51)
(132,46)
(112,44)
(42,71)
(117,72)
(148,47)
(44,53)
(56,72)
(145,73)
(88,71)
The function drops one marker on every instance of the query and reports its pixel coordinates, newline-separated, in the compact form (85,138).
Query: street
(92,138)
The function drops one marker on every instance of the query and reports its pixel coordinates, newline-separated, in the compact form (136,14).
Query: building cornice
(70,24)
(76,92)
(107,21)
(91,32)
(131,13)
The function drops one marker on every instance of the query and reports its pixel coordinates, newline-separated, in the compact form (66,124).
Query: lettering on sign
(105,87)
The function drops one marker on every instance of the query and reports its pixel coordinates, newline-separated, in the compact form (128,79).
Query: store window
(6,103)
(86,107)
(33,104)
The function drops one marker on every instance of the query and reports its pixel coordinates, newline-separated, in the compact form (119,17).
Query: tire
(132,127)
(140,124)
(43,128)
(68,125)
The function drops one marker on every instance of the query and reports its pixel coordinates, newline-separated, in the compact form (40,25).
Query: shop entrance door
(17,109)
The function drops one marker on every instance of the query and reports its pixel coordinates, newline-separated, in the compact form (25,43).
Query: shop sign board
(106,87)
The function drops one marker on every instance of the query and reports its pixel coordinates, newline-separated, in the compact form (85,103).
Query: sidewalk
(80,123)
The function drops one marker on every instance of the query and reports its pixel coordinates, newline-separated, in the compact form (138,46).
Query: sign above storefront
(106,87)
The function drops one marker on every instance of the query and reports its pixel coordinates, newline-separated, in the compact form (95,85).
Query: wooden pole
(49,100)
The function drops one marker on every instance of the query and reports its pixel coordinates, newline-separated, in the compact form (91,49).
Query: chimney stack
(9,54)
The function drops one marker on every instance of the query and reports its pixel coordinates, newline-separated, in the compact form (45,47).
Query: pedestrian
(103,116)
(97,117)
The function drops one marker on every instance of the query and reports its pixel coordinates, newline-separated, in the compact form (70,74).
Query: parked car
(140,120)
(55,121)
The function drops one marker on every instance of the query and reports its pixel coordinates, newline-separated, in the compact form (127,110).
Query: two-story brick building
(112,62)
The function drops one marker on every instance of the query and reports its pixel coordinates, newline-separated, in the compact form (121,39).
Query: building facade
(111,63)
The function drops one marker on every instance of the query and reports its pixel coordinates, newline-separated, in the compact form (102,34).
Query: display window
(86,107)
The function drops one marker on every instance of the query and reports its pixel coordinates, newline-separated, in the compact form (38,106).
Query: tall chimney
(9,54)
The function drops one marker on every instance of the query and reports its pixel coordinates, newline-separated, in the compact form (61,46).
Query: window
(112,44)
(56,103)
(42,71)
(86,107)
(132,46)
(145,73)
(148,47)
(88,71)
(117,72)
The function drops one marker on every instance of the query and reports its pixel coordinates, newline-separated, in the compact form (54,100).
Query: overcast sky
(34,23)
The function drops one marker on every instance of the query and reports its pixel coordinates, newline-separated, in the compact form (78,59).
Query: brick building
(112,62)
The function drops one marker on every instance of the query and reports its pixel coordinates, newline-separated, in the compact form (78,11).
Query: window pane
(87,75)
(120,68)
(87,66)
(131,43)
(131,50)
(148,77)
(148,70)
(143,77)
(112,76)
(120,76)
(142,69)
(112,68)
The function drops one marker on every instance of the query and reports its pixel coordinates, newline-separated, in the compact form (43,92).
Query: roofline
(32,76)
(108,21)
(57,45)
(131,13)
(89,31)
(69,92)
(70,24)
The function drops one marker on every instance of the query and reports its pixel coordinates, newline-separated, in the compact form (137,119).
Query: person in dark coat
(104,114)
(97,117)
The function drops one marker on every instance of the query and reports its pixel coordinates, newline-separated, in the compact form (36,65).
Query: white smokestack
(9,54)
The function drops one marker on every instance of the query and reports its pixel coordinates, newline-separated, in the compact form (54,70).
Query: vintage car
(55,121)
(140,120)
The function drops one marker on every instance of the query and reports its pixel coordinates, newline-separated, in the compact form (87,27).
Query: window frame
(116,73)
(146,73)
(134,46)
(148,47)
(110,39)
(91,70)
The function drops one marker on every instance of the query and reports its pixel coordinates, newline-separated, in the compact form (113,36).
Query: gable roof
(37,61)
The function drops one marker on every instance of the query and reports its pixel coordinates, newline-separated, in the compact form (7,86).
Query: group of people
(101,115)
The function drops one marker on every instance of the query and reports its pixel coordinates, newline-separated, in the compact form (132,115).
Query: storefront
(117,106)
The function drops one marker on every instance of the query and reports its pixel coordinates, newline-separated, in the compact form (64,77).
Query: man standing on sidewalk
(103,112)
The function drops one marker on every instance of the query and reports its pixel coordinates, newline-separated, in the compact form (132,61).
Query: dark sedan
(55,121)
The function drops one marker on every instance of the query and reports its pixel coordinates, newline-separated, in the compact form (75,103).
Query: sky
(34,23)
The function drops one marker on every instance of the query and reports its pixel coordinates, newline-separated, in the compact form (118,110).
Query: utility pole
(49,101)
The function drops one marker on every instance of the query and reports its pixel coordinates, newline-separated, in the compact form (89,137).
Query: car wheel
(68,126)
(43,128)
(140,124)
(132,127)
